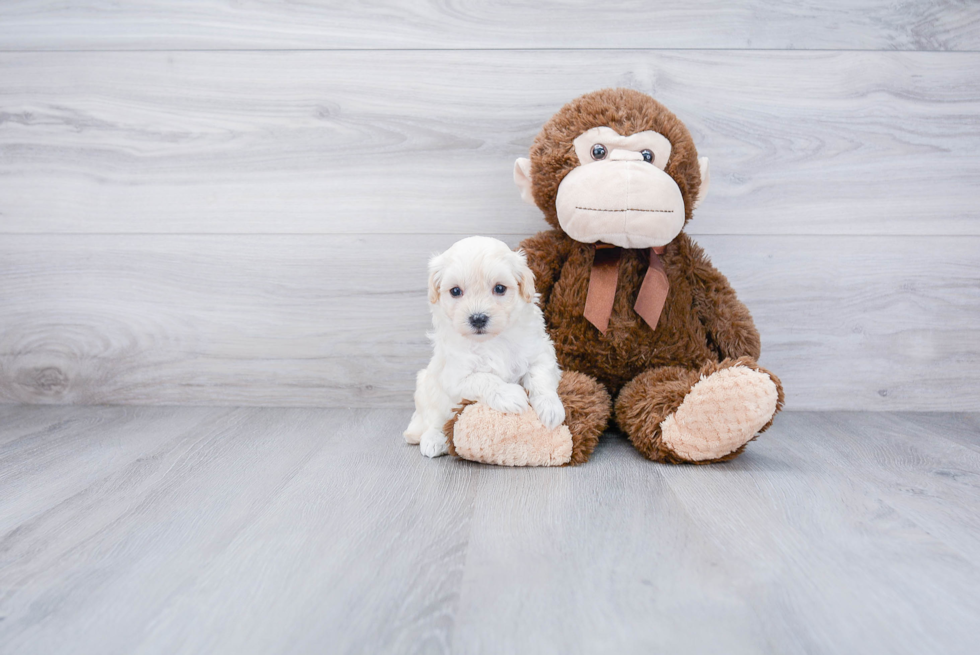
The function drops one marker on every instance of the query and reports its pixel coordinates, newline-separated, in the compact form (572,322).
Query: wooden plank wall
(212,202)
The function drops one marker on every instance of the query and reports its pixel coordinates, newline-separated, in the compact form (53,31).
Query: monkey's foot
(482,434)
(720,414)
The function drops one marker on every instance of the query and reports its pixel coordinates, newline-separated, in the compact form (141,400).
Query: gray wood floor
(224,530)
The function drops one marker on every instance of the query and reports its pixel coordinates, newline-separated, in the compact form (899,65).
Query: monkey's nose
(624,155)
(479,321)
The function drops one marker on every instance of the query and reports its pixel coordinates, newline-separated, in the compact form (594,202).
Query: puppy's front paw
(509,399)
(550,411)
(433,443)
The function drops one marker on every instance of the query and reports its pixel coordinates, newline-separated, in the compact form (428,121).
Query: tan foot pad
(484,435)
(721,413)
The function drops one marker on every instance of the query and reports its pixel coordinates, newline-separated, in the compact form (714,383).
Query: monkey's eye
(500,289)
(598,151)
(647,156)
(455,292)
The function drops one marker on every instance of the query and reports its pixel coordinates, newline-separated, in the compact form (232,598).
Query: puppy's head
(479,284)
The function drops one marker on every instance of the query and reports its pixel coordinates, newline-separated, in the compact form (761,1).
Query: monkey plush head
(614,166)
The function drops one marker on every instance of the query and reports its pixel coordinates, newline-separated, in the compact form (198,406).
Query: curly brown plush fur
(701,321)
(587,409)
(703,328)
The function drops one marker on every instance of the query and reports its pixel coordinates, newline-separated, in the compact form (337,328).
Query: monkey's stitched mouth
(629,209)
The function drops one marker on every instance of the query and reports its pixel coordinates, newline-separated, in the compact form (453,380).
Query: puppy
(489,340)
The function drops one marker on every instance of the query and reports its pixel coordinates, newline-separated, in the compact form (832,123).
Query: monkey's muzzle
(630,204)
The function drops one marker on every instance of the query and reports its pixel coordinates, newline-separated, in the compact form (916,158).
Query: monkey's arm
(546,252)
(730,328)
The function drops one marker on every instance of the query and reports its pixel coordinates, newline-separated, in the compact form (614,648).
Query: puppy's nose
(479,321)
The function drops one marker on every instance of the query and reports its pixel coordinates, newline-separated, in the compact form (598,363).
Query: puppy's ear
(525,277)
(436,267)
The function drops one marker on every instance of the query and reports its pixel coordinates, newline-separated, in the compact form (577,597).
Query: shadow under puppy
(489,341)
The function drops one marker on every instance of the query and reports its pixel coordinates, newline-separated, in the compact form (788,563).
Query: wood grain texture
(912,470)
(205,530)
(424,142)
(222,24)
(786,546)
(171,511)
(856,323)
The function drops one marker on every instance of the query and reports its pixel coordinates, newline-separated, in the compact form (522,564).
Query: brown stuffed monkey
(642,323)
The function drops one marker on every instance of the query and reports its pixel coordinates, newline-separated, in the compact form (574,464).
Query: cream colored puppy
(489,340)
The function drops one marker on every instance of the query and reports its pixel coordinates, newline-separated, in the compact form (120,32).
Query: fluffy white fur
(506,362)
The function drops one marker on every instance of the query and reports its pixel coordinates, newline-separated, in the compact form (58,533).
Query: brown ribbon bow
(602,287)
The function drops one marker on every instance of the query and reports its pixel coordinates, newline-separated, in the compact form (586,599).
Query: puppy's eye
(598,151)
(455,292)
(647,156)
(500,289)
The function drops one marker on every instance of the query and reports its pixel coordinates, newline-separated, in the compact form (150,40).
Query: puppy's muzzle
(479,321)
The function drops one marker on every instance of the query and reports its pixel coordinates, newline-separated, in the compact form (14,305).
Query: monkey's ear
(522,177)
(525,278)
(705,180)
(436,265)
